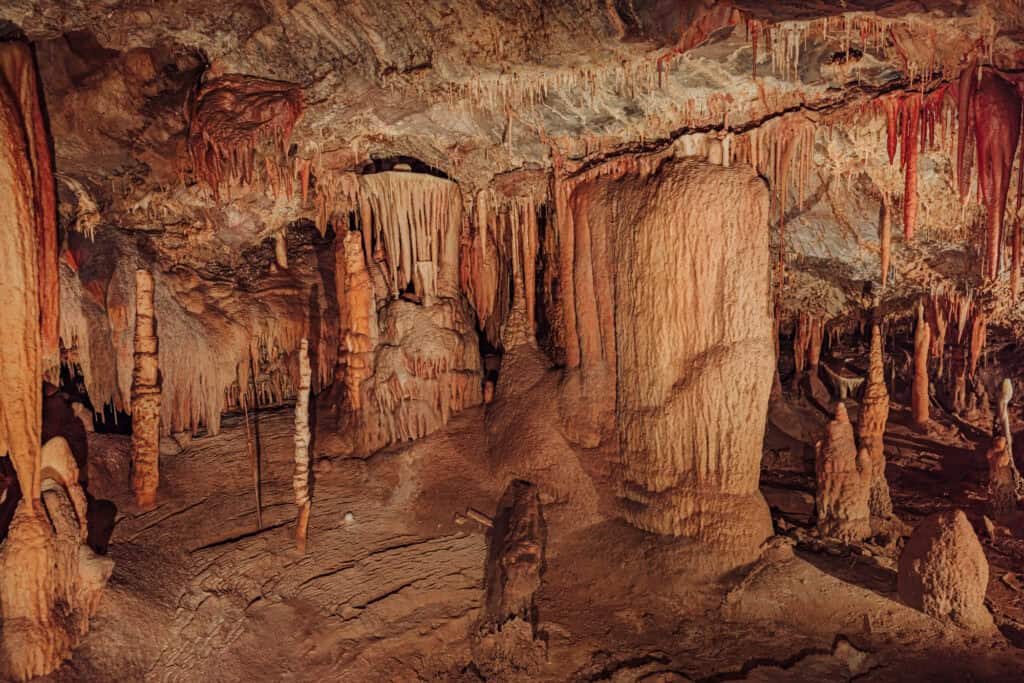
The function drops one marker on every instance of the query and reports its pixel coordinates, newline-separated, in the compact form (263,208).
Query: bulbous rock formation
(943,571)
(874,413)
(695,349)
(844,476)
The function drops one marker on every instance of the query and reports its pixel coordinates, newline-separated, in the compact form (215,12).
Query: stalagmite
(227,119)
(695,360)
(280,250)
(943,571)
(919,395)
(358,318)
(874,414)
(1002,427)
(885,239)
(845,477)
(300,479)
(145,396)
(1002,482)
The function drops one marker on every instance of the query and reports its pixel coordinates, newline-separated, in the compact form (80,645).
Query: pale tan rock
(874,414)
(300,476)
(85,416)
(145,396)
(844,478)
(694,349)
(943,571)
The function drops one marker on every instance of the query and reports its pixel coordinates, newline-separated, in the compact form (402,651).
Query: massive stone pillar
(49,581)
(145,396)
(693,331)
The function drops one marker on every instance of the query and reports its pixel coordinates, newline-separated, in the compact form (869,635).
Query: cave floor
(391,584)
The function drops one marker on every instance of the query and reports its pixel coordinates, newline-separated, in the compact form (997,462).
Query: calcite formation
(845,477)
(943,571)
(50,582)
(874,414)
(695,359)
(300,476)
(1002,484)
(506,642)
(919,406)
(145,396)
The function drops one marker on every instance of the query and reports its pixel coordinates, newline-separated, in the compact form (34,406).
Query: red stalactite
(229,116)
(997,112)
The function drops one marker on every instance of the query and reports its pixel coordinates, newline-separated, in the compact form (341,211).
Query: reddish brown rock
(943,571)
(844,478)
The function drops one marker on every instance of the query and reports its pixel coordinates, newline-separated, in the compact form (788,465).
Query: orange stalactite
(18,72)
(229,116)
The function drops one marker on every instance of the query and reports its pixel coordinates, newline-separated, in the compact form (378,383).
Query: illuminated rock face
(844,478)
(692,344)
(943,571)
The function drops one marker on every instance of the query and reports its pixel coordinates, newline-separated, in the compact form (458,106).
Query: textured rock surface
(943,571)
(874,414)
(844,476)
(145,396)
(694,352)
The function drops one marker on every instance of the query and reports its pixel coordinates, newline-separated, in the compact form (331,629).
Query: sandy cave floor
(198,593)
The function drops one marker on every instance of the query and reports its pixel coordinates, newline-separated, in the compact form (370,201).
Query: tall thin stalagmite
(919,395)
(871,428)
(300,480)
(145,396)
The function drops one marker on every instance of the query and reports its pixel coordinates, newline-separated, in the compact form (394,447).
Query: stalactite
(499,253)
(874,415)
(416,218)
(228,117)
(18,73)
(919,395)
(911,114)
(49,582)
(979,333)
(145,395)
(300,478)
(358,318)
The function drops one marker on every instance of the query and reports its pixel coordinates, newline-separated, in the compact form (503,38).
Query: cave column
(919,390)
(145,396)
(695,352)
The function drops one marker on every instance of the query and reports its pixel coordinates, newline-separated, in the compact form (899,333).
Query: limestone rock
(874,414)
(943,571)
(844,477)
(695,352)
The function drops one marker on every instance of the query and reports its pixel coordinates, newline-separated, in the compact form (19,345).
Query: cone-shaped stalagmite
(300,479)
(919,390)
(844,478)
(49,582)
(145,396)
(874,414)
